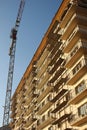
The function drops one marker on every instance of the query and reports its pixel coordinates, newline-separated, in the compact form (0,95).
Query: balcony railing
(60,82)
(55,56)
(68,15)
(79,32)
(78,120)
(52,45)
(57,74)
(43,80)
(61,118)
(76,97)
(44,94)
(77,51)
(42,58)
(56,65)
(44,108)
(48,120)
(43,68)
(78,71)
(60,93)
(59,106)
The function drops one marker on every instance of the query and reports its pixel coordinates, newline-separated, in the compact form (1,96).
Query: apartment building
(52,94)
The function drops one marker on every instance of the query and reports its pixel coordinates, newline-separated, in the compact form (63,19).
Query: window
(49,113)
(43,118)
(83,110)
(78,66)
(50,128)
(80,87)
(74,51)
(38,122)
(43,103)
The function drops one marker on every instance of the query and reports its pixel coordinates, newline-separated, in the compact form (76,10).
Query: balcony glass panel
(78,71)
(80,117)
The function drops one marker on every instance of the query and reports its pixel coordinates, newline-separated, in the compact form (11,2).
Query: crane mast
(12,51)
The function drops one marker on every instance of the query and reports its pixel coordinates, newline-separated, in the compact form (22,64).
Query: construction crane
(12,50)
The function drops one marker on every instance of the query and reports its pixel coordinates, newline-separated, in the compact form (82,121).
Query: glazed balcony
(48,120)
(43,81)
(79,70)
(58,95)
(79,32)
(77,97)
(56,65)
(44,107)
(44,94)
(78,120)
(57,74)
(61,118)
(77,52)
(59,106)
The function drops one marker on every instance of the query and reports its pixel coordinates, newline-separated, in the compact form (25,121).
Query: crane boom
(11,64)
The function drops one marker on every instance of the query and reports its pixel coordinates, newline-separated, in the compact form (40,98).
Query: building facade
(52,94)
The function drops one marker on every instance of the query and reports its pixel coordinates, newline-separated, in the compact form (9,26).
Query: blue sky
(36,19)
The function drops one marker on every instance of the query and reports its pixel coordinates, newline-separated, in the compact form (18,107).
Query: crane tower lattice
(11,64)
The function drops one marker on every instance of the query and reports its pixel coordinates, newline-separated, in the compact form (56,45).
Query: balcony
(29,89)
(58,73)
(28,100)
(44,94)
(78,32)
(29,79)
(76,98)
(68,16)
(43,68)
(59,106)
(56,65)
(19,122)
(29,121)
(42,58)
(55,56)
(78,120)
(79,70)
(48,120)
(43,81)
(58,95)
(60,82)
(28,112)
(61,118)
(74,58)
(44,107)
(52,35)
(69,28)
(52,44)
